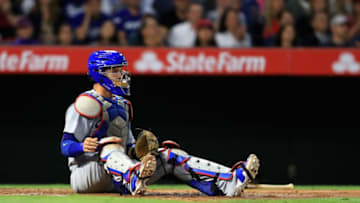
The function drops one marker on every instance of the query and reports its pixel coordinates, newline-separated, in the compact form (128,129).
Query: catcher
(103,155)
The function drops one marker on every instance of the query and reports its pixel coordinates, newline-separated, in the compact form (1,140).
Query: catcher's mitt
(146,143)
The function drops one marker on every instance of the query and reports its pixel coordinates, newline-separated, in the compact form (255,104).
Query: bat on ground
(271,186)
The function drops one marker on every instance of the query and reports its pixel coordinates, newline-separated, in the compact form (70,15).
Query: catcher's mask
(109,69)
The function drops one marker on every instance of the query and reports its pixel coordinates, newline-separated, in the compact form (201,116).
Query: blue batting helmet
(108,68)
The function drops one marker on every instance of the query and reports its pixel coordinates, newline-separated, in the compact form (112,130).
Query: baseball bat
(271,186)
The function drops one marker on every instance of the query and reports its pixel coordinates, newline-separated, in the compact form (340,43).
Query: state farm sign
(346,63)
(194,61)
(222,62)
(325,62)
(28,61)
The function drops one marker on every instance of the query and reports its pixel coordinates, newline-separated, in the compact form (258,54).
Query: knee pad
(108,145)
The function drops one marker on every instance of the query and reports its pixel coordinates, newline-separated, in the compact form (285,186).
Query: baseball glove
(146,143)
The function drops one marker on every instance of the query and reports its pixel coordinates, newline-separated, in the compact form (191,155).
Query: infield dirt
(193,195)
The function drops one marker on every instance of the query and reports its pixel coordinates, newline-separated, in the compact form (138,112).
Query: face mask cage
(118,74)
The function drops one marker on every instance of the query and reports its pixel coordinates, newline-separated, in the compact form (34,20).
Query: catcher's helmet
(117,80)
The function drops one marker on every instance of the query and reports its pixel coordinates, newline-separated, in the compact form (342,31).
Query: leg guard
(208,177)
(129,175)
(198,173)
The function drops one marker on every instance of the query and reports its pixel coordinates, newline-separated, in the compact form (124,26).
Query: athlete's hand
(90,144)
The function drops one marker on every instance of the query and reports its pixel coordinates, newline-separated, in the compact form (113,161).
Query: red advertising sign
(326,62)
(207,62)
(43,60)
(196,61)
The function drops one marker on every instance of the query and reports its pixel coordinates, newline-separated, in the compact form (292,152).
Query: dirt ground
(193,195)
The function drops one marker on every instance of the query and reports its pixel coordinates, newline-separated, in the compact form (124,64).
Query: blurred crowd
(181,23)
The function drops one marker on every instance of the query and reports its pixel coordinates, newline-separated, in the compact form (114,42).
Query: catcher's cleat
(245,173)
(146,170)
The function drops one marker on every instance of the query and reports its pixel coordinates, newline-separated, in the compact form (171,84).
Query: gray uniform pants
(91,177)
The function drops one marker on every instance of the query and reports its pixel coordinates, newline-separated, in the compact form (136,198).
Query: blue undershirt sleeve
(70,147)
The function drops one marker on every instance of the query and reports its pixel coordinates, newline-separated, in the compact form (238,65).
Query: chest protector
(115,114)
